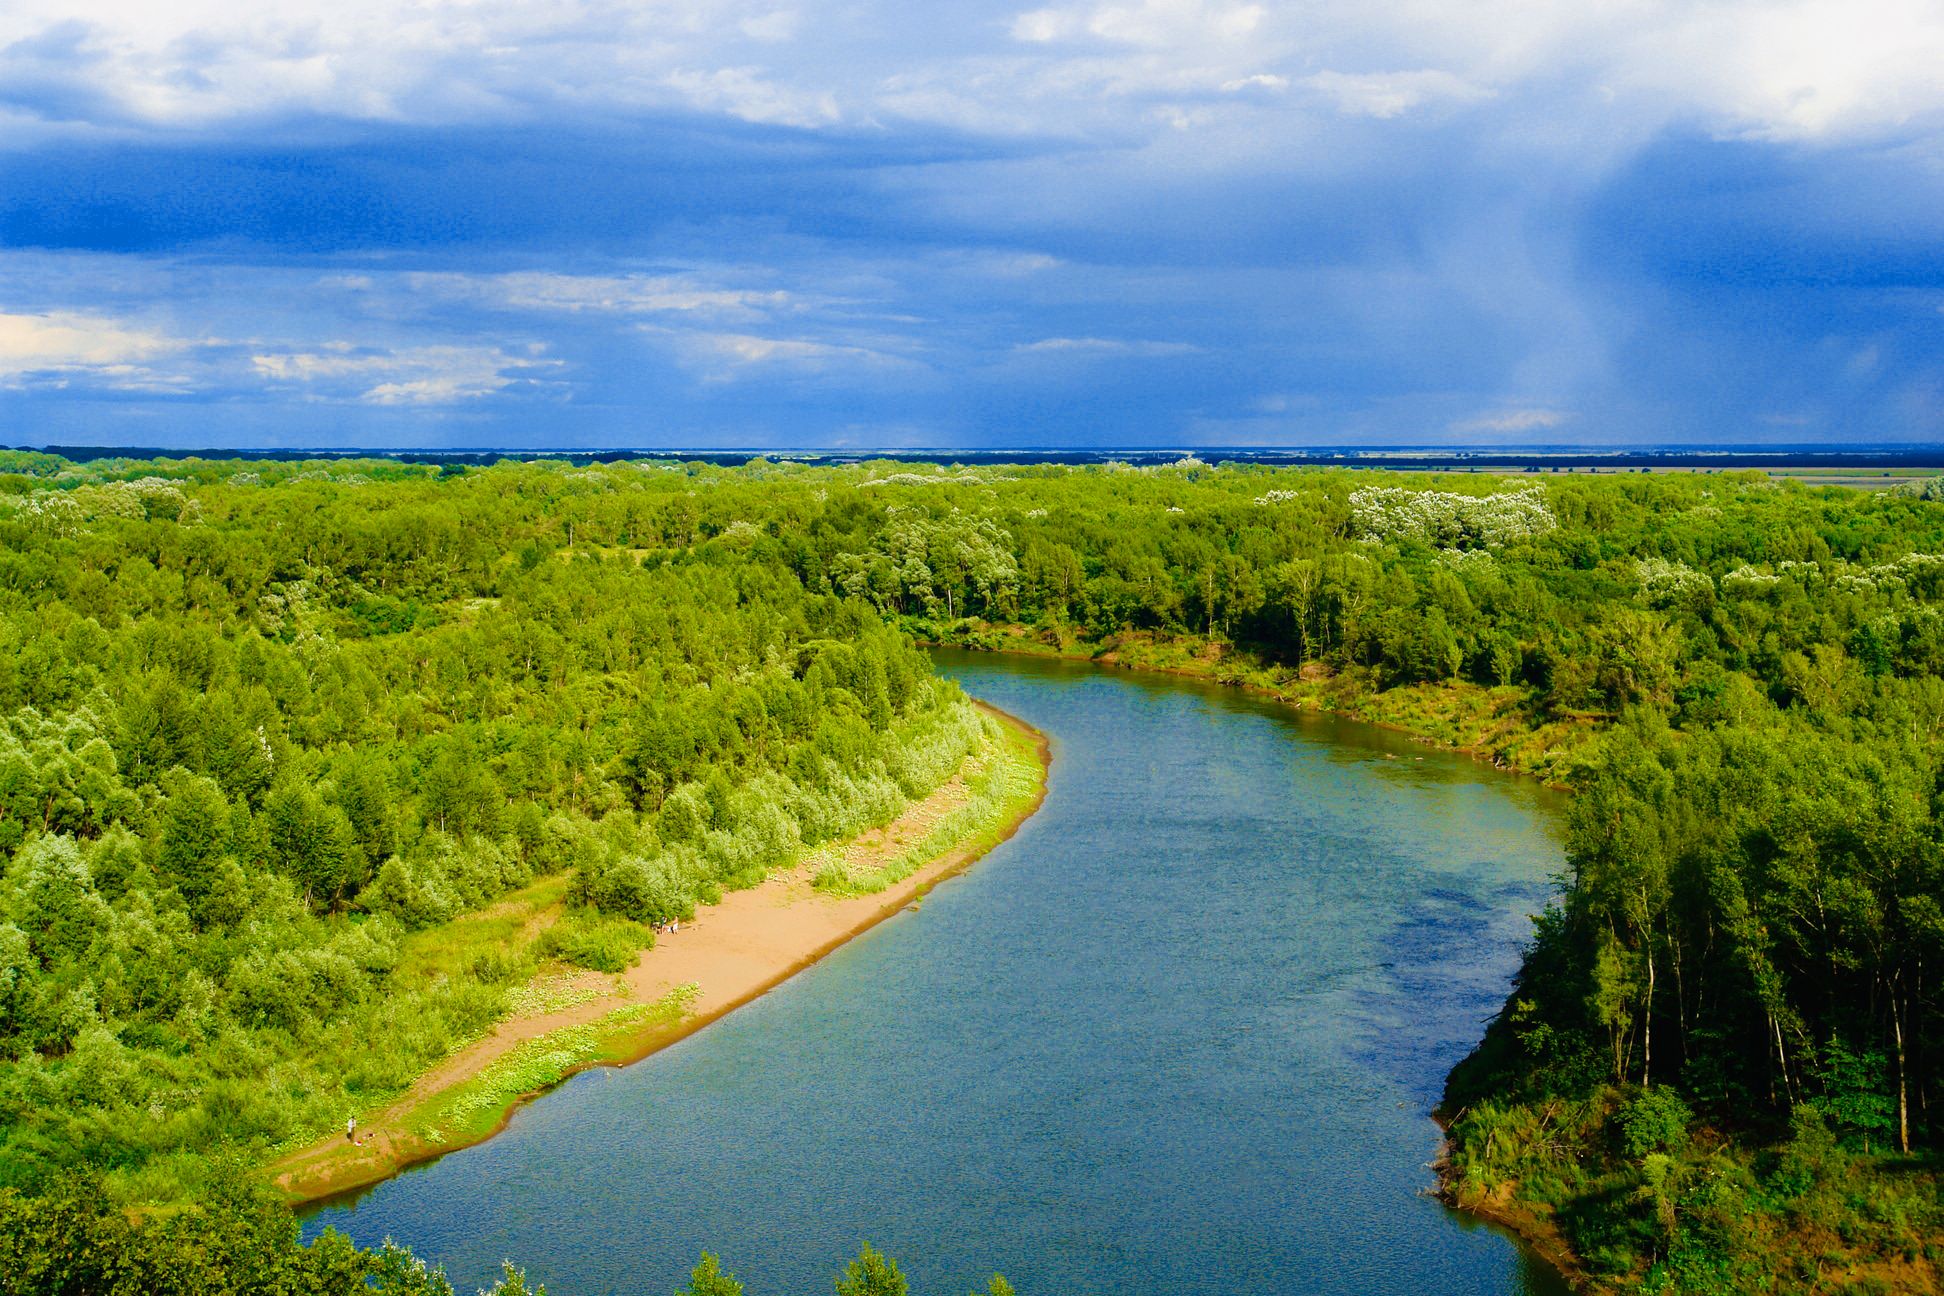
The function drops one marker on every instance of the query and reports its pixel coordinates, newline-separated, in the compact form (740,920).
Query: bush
(1657,1121)
(591,941)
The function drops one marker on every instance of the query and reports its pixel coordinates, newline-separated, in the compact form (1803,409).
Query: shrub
(1657,1121)
(590,941)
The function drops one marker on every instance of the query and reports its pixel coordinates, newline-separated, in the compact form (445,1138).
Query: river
(1180,1035)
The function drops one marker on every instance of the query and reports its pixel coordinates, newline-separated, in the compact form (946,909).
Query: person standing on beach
(351,1129)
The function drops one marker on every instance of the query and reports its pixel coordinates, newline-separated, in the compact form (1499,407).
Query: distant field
(1857,477)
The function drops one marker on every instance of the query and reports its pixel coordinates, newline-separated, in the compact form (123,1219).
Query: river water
(1180,1035)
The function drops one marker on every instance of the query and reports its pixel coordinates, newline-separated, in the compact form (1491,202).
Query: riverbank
(1537,1231)
(1497,725)
(1473,721)
(732,952)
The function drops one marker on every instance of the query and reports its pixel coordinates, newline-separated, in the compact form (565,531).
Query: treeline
(241,1240)
(258,743)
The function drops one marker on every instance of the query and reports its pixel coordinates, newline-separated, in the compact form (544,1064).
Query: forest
(268,726)
(260,744)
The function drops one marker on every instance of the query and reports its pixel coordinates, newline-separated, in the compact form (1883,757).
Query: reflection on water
(1180,1035)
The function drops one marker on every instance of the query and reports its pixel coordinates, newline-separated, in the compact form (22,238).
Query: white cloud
(725,356)
(1797,69)
(746,348)
(1257,81)
(746,93)
(423,375)
(1042,25)
(1514,420)
(1107,346)
(603,294)
(780,25)
(62,345)
(66,340)
(1392,94)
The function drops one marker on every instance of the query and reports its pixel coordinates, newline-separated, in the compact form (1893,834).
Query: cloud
(745,93)
(64,340)
(1151,24)
(600,294)
(64,345)
(423,375)
(722,357)
(1665,214)
(779,25)
(1392,94)
(1257,81)
(1783,69)
(1106,347)
(1514,420)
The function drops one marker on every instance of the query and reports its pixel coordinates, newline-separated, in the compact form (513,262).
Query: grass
(474,1109)
(451,983)
(468,943)
(1002,786)
(555,992)
(1699,1213)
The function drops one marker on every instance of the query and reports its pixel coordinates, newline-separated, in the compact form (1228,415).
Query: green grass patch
(601,942)
(470,943)
(552,993)
(473,1110)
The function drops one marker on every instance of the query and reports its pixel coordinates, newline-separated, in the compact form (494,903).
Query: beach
(730,953)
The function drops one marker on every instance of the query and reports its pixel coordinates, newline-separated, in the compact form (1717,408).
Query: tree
(311,843)
(195,833)
(709,1278)
(872,1274)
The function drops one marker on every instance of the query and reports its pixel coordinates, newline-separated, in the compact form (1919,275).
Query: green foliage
(512,1282)
(241,1240)
(589,940)
(872,1274)
(270,741)
(69,1241)
(1655,1122)
(274,745)
(711,1279)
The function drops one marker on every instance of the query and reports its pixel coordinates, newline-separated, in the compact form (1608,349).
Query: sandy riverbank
(731,953)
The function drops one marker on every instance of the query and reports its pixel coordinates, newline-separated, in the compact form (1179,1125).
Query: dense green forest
(259,741)
(264,722)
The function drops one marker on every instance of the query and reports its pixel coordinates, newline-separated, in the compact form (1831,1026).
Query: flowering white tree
(1447,520)
(925,562)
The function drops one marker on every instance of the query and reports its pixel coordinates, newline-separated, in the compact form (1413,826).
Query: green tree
(311,843)
(872,1274)
(711,1279)
(195,833)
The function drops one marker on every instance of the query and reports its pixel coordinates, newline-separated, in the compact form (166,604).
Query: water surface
(1179,1035)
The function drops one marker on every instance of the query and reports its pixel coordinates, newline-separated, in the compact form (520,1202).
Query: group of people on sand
(672,925)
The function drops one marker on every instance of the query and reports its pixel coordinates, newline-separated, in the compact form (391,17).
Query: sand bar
(731,953)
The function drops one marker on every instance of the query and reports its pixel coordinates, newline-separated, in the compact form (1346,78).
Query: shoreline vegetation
(1487,723)
(730,953)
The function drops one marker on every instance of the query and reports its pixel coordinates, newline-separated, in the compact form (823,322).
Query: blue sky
(757,223)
